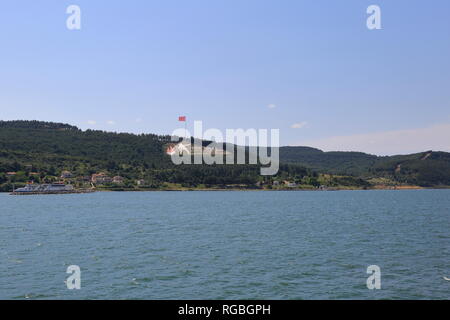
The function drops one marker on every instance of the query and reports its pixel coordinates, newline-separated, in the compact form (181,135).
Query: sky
(310,68)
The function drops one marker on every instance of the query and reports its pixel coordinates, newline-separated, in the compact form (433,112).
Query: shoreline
(274,190)
(258,190)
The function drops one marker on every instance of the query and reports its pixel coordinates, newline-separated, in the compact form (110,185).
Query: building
(66,175)
(118,180)
(11,174)
(290,184)
(140,182)
(101,178)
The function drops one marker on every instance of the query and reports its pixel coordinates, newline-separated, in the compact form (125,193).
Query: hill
(426,169)
(42,151)
(352,163)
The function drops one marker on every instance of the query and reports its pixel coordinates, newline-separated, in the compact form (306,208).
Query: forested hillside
(353,163)
(42,151)
(430,168)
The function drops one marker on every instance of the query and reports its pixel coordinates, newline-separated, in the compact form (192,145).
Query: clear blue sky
(140,64)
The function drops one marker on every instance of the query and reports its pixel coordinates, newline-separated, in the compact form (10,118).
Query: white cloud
(111,122)
(299,125)
(92,122)
(436,138)
(272,106)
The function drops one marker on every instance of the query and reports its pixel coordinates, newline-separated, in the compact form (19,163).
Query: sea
(383,244)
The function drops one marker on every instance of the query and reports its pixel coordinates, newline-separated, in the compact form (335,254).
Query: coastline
(274,190)
(259,190)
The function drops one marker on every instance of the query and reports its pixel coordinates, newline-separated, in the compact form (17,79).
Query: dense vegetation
(426,169)
(352,163)
(41,151)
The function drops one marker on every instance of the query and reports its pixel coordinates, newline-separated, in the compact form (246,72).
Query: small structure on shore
(290,184)
(101,178)
(118,180)
(66,175)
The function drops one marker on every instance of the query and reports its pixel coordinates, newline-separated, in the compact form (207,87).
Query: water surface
(226,245)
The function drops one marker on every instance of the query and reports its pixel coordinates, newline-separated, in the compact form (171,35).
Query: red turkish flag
(182,118)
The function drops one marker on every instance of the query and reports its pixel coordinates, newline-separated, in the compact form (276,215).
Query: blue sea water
(226,245)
